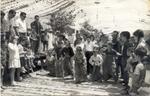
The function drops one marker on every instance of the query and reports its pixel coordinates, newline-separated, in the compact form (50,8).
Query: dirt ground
(40,84)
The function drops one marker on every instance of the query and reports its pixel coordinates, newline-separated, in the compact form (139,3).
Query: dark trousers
(45,45)
(125,72)
(2,76)
(88,55)
(96,75)
(119,67)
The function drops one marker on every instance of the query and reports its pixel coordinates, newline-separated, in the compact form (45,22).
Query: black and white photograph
(75,48)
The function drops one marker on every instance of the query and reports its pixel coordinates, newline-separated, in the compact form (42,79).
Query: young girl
(79,65)
(139,72)
(96,61)
(14,59)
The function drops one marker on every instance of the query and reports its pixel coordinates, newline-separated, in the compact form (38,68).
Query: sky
(116,14)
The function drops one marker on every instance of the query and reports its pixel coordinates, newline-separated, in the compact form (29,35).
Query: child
(50,61)
(124,38)
(139,72)
(96,61)
(67,53)
(79,65)
(14,59)
(45,38)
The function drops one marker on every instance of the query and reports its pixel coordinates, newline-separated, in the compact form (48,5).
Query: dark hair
(116,32)
(126,34)
(139,33)
(2,13)
(91,36)
(22,13)
(12,11)
(141,52)
(148,41)
(36,16)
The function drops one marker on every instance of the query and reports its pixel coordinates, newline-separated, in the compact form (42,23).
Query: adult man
(20,26)
(38,28)
(8,24)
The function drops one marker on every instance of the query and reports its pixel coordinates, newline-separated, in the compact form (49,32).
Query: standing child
(96,61)
(139,72)
(109,64)
(45,38)
(14,60)
(80,67)
(67,53)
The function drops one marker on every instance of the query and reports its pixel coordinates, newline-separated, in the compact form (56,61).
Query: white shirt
(96,60)
(21,25)
(89,46)
(139,67)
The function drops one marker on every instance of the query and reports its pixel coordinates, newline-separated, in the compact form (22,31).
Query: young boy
(45,38)
(96,61)
(124,39)
(139,72)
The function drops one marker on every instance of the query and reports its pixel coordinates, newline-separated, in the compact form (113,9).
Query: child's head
(109,45)
(138,34)
(92,37)
(78,49)
(124,36)
(14,39)
(140,53)
(95,50)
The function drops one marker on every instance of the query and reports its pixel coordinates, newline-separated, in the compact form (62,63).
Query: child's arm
(91,61)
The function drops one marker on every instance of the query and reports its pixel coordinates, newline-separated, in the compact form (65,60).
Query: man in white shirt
(21,26)
(88,47)
(8,25)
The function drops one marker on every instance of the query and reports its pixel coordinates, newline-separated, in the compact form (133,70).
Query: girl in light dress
(14,59)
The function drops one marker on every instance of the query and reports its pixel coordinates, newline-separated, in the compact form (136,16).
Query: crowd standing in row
(89,57)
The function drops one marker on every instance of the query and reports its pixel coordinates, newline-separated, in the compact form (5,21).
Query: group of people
(20,46)
(95,57)
(101,57)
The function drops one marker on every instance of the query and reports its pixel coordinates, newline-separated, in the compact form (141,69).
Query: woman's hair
(141,52)
(139,34)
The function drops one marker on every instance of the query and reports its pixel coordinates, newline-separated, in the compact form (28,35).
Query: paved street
(42,85)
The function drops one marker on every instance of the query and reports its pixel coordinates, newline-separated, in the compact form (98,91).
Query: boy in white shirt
(96,61)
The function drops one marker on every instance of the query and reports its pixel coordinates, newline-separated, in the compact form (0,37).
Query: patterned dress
(80,68)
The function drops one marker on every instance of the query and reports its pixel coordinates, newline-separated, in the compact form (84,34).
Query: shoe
(13,83)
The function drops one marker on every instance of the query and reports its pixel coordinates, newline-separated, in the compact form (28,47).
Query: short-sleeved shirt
(21,25)
(139,67)
(96,60)
(89,46)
